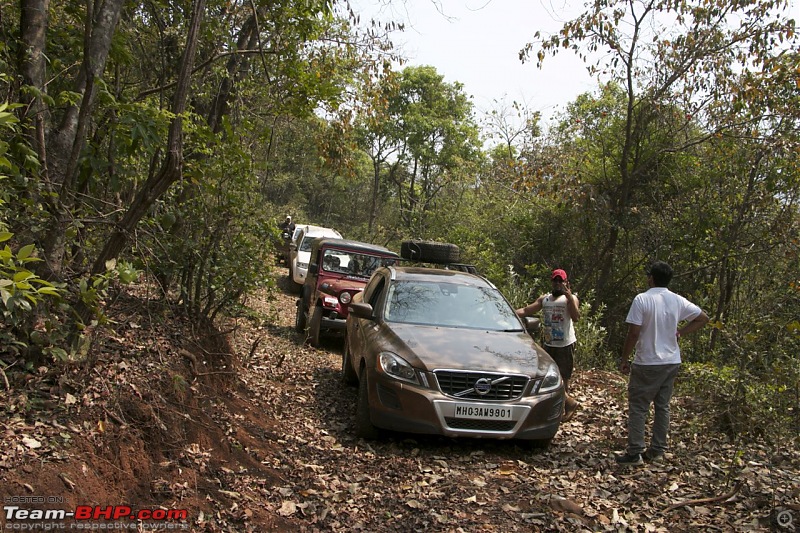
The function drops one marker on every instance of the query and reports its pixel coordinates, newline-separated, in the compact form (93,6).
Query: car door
(364,329)
(293,248)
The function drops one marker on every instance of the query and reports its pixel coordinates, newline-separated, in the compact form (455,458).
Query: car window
(305,244)
(351,263)
(449,304)
(297,232)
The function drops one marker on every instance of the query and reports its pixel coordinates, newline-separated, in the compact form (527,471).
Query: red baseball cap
(558,273)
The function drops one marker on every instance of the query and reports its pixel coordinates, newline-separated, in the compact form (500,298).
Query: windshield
(449,304)
(353,263)
(305,245)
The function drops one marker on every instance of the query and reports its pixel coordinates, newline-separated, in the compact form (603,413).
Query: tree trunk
(33,31)
(170,170)
(66,143)
(376,189)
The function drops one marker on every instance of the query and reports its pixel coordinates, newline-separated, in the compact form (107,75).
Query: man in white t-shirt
(653,330)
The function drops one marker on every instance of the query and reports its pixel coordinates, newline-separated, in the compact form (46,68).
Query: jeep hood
(350,284)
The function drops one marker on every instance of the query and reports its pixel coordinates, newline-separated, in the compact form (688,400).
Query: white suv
(300,251)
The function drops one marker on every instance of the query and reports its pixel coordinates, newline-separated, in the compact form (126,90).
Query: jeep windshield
(449,305)
(352,263)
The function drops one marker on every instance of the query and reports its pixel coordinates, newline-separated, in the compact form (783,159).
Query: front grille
(461,385)
(479,425)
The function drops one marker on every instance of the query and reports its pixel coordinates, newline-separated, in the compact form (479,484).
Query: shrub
(733,401)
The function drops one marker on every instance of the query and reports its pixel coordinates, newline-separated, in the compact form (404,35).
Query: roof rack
(444,254)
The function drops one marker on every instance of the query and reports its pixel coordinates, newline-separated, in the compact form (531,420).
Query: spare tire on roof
(430,251)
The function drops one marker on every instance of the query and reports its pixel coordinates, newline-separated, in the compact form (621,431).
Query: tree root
(701,501)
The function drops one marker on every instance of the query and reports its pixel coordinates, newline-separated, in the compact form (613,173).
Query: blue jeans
(649,384)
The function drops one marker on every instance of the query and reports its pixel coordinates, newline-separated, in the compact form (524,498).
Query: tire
(541,444)
(314,326)
(300,317)
(349,376)
(430,251)
(536,444)
(364,426)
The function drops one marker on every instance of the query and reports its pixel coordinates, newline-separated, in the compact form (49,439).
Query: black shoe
(652,456)
(629,460)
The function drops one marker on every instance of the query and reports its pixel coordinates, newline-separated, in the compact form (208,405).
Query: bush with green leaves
(740,404)
(21,289)
(210,240)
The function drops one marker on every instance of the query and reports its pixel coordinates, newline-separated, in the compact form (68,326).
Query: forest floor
(246,428)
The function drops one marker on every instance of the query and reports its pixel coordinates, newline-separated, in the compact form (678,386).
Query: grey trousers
(649,384)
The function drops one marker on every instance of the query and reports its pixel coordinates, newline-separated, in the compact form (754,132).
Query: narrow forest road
(264,441)
(335,482)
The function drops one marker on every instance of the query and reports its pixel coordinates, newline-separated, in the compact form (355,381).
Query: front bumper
(331,322)
(299,276)
(405,407)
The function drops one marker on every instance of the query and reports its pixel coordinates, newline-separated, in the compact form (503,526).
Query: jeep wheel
(300,317)
(349,376)
(314,326)
(430,251)
(364,426)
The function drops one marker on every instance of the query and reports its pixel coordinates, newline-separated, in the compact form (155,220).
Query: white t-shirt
(558,328)
(659,311)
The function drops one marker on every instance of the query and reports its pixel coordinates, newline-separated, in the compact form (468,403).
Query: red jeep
(338,269)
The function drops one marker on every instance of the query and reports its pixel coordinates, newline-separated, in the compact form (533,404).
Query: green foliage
(20,289)
(742,404)
(592,350)
(213,236)
(93,291)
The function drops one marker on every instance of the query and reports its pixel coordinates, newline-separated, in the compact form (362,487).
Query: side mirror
(532,324)
(362,310)
(313,268)
(292,246)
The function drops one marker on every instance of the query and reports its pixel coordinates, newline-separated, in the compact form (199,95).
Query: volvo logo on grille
(483,386)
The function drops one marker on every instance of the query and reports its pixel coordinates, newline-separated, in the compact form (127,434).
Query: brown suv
(441,351)
(338,269)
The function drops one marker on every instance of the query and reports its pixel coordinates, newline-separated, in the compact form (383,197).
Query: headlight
(552,379)
(345,297)
(397,367)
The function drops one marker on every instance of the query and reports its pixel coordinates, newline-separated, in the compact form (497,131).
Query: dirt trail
(263,441)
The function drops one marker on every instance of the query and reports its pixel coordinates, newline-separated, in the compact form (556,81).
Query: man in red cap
(560,309)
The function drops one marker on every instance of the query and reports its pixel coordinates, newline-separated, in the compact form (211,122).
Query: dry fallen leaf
(288,508)
(565,505)
(31,442)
